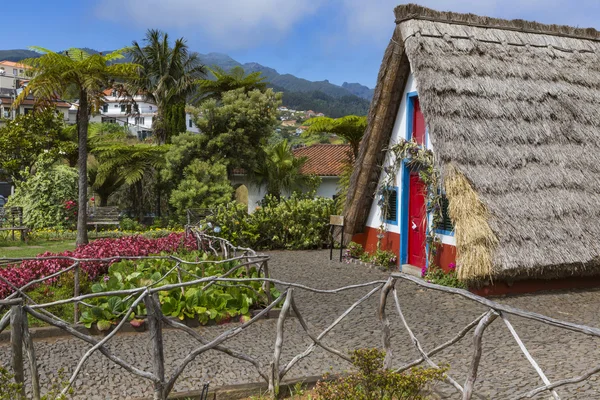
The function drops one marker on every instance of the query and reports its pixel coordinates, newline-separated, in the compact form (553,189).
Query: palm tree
(120,163)
(350,128)
(280,170)
(225,81)
(167,76)
(53,75)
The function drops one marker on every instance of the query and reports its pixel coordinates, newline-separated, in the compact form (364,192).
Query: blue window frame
(392,205)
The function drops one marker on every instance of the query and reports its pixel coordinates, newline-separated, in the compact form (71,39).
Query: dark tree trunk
(103,201)
(82,132)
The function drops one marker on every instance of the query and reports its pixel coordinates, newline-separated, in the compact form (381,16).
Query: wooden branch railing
(273,373)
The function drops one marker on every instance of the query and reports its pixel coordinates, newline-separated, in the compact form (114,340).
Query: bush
(439,277)
(372,382)
(294,223)
(355,250)
(385,258)
(204,185)
(47,196)
(129,224)
(212,303)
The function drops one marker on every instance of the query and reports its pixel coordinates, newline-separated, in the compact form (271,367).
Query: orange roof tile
(324,159)
(13,64)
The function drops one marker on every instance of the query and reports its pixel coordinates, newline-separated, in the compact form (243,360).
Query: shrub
(204,185)
(294,223)
(214,303)
(129,224)
(47,196)
(355,250)
(384,258)
(372,382)
(439,277)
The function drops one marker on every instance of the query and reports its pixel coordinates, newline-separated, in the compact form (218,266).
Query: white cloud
(230,23)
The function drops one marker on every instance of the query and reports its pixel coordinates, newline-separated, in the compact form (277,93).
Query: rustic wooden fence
(273,373)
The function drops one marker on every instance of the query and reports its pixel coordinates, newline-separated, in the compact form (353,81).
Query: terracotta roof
(13,64)
(324,159)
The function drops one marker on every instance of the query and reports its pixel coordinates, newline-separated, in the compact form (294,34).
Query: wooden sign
(337,220)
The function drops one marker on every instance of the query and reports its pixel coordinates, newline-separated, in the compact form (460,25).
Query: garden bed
(114,265)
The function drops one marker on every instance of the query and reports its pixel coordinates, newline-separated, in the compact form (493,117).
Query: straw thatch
(514,107)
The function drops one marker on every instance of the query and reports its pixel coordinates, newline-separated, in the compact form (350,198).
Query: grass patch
(16,249)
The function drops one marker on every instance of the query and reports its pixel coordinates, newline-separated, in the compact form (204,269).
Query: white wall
(193,128)
(399,133)
(328,187)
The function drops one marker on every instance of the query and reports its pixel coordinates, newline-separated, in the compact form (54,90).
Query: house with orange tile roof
(12,74)
(324,160)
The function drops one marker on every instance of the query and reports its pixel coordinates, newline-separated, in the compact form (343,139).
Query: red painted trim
(368,240)
(536,285)
(445,256)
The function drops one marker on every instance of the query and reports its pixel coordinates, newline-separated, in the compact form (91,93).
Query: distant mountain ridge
(320,96)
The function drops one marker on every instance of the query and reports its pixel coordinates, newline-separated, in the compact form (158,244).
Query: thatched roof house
(513,116)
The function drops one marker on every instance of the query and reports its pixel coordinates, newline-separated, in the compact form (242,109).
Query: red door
(417,222)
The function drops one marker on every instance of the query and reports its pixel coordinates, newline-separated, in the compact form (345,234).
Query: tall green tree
(204,185)
(236,129)
(351,128)
(225,81)
(53,74)
(25,137)
(166,78)
(280,170)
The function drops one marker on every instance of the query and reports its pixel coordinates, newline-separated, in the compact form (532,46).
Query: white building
(324,160)
(137,115)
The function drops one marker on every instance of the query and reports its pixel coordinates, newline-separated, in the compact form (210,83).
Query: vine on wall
(420,160)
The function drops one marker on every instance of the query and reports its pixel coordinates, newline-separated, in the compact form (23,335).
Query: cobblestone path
(434,316)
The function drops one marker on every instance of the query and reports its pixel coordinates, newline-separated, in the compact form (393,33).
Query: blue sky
(338,40)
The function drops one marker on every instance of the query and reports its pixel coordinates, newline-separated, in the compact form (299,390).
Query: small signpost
(336,220)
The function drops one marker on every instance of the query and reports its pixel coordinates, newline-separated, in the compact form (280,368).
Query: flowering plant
(28,270)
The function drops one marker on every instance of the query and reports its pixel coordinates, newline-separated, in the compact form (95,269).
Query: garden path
(434,316)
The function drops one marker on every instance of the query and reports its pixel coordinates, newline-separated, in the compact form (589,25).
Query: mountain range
(320,96)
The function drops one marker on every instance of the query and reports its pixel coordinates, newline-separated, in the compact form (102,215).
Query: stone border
(49,332)
(245,390)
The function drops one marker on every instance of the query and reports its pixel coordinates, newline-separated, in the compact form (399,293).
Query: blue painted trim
(406,182)
(404,214)
(445,233)
(394,221)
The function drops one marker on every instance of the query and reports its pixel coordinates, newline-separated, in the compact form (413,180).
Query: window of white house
(191,123)
(116,106)
(14,71)
(123,108)
(150,108)
(139,120)
(105,108)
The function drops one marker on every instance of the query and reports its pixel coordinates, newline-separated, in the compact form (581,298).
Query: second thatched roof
(513,109)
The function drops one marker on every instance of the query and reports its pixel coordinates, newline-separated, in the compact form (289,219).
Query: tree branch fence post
(30,350)
(16,342)
(385,322)
(158,358)
(76,293)
(478,349)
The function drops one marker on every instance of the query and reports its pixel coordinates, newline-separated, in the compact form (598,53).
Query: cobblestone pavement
(434,316)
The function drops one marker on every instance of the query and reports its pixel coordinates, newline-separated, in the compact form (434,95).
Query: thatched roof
(513,109)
